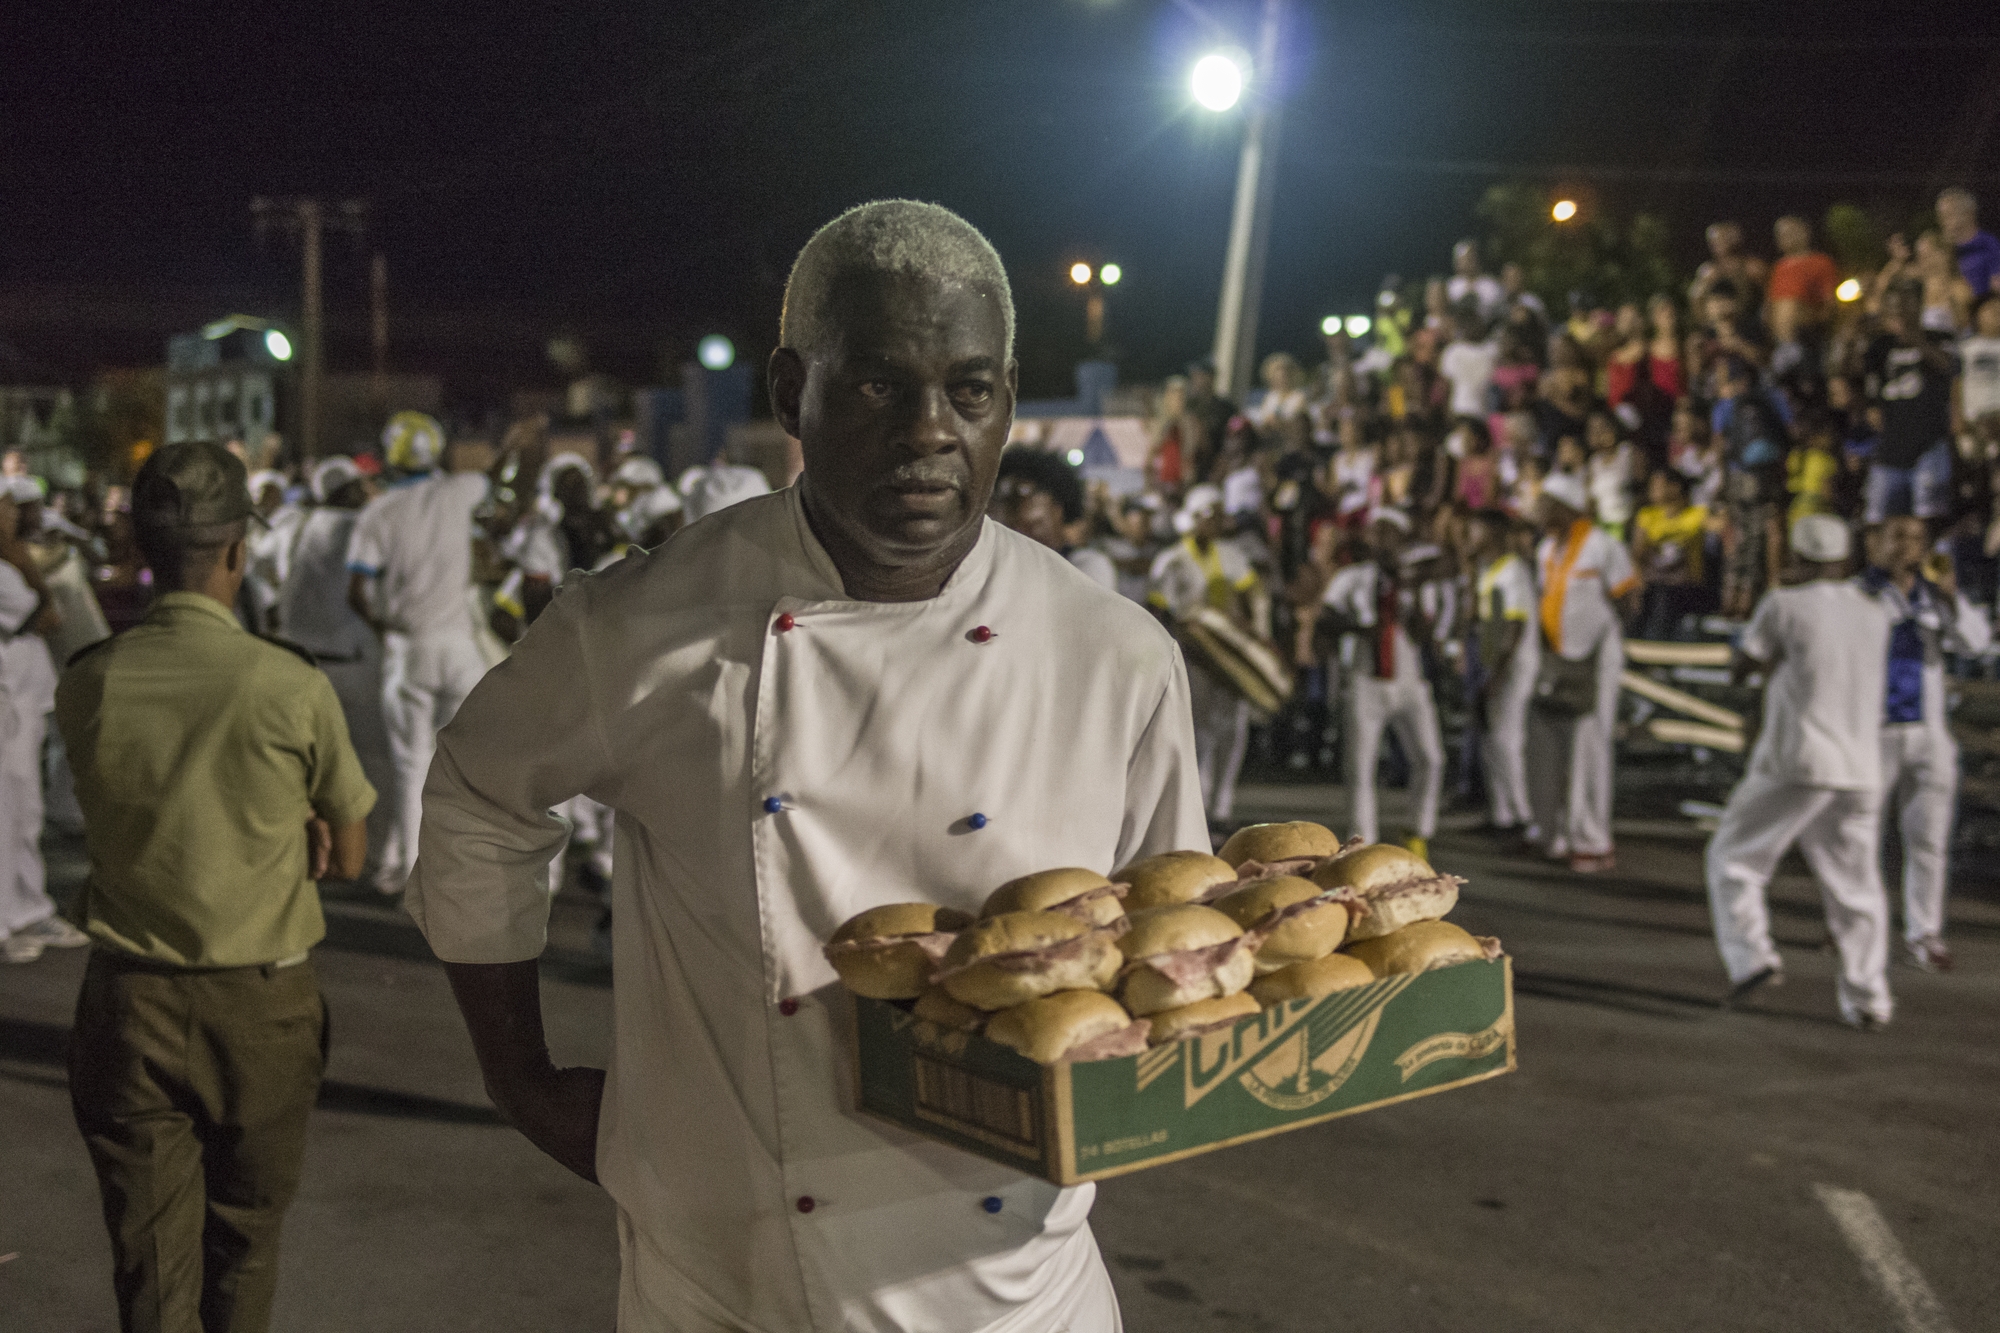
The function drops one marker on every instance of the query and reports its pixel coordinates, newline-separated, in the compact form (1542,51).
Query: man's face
(902,422)
(1903,544)
(1723,238)
(1465,260)
(1032,512)
(1956,218)
(1791,236)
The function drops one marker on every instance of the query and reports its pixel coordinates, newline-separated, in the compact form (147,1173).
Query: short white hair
(887,236)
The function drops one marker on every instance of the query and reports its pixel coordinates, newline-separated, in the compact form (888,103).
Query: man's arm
(357,599)
(555,1109)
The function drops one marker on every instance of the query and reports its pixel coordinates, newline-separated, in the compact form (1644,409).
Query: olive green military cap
(194,491)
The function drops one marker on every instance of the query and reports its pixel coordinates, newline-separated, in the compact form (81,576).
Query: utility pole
(1250,221)
(378,328)
(309,219)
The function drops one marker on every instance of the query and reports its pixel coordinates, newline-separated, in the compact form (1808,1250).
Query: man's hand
(555,1109)
(319,846)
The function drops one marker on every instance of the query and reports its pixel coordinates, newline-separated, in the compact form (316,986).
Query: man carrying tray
(852,692)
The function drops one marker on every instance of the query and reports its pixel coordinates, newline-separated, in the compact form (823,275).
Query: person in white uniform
(1040,495)
(1587,585)
(708,487)
(853,692)
(1203,569)
(270,547)
(1509,648)
(28,920)
(314,613)
(1384,681)
(1919,757)
(409,563)
(1814,778)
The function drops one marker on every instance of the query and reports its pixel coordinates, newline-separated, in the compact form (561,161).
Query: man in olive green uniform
(217,781)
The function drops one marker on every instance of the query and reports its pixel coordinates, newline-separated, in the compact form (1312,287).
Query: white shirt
(1505,590)
(27,676)
(1353,593)
(1979,376)
(1967,633)
(1485,289)
(663,688)
(1609,475)
(1183,579)
(1823,700)
(1580,576)
(1469,367)
(312,606)
(416,540)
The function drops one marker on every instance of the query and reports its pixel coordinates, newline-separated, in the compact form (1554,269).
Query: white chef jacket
(1823,701)
(416,540)
(666,688)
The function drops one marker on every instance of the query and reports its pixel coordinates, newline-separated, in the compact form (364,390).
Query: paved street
(1655,1164)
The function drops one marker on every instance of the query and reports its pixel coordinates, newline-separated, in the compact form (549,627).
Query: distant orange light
(1849,290)
(1079,274)
(1564,210)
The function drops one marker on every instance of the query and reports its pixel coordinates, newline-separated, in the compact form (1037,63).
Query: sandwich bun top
(1048,889)
(1376,866)
(895,920)
(1012,932)
(1266,843)
(1048,1028)
(1189,1019)
(1311,980)
(1174,929)
(1253,902)
(1418,948)
(1173,877)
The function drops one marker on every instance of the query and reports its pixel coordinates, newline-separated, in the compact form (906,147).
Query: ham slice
(934,944)
(1490,946)
(1250,872)
(1031,960)
(1079,906)
(1404,889)
(1186,967)
(1130,1040)
(1278,916)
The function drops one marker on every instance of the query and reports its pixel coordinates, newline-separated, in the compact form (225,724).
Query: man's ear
(237,555)
(788,388)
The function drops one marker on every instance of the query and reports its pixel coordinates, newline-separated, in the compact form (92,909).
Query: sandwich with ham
(1396,888)
(1293,920)
(1175,877)
(1083,894)
(889,953)
(1422,947)
(1015,957)
(1071,1025)
(1258,851)
(1178,955)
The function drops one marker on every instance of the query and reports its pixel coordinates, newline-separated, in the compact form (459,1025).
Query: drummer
(1202,569)
(1376,600)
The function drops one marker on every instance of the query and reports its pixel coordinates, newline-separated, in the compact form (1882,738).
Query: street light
(1217,81)
(1564,210)
(278,345)
(715,352)
(1079,273)
(1358,326)
(1848,290)
(1330,325)
(1109,275)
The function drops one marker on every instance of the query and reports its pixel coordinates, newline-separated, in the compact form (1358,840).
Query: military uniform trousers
(192,1090)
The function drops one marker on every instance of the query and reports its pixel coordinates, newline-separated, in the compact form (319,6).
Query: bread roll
(1084,894)
(1019,956)
(1310,930)
(1047,1029)
(1173,877)
(1201,1016)
(1178,955)
(1269,843)
(1311,981)
(1398,886)
(1418,948)
(936,1005)
(889,952)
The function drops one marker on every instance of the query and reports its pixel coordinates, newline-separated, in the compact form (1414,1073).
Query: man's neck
(867,581)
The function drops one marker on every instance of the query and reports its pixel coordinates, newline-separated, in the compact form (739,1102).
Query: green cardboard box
(1292,1065)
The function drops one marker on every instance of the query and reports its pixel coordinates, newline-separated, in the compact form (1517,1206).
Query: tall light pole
(308,219)
(1250,221)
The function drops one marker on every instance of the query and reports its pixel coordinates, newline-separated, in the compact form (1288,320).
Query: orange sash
(1556,582)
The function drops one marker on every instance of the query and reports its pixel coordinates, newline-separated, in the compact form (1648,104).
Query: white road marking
(1883,1261)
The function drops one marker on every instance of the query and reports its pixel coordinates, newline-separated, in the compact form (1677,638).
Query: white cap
(711,488)
(1566,489)
(566,461)
(1199,502)
(1821,537)
(648,509)
(330,474)
(22,490)
(259,480)
(639,471)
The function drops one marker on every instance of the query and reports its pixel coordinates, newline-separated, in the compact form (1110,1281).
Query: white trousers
(1920,792)
(24,895)
(1838,833)
(1221,737)
(1406,705)
(1506,749)
(1570,769)
(358,686)
(425,677)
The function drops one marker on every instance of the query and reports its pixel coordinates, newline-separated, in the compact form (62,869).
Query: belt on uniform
(120,961)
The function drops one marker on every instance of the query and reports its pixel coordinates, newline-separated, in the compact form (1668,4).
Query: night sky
(642,174)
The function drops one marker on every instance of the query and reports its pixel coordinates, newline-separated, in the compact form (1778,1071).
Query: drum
(1250,666)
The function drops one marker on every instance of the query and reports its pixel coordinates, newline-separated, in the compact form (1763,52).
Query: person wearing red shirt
(1801,288)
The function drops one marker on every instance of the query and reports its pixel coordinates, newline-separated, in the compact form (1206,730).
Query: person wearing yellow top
(217,782)
(1203,570)
(1668,546)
